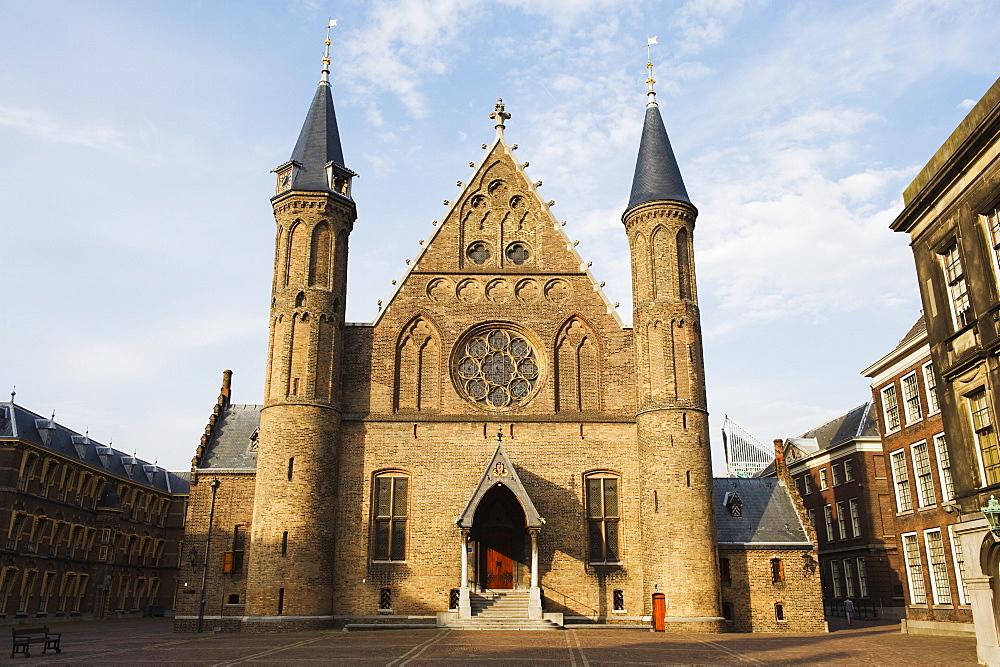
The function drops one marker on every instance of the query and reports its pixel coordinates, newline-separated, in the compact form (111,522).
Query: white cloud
(402,44)
(966,104)
(45,126)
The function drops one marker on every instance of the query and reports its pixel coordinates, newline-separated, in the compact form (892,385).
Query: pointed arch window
(390,505)
(684,264)
(603,517)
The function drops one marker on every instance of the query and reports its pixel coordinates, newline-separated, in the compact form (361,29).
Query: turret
(679,542)
(291,564)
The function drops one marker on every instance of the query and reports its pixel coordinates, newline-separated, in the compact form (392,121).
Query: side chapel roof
(768,516)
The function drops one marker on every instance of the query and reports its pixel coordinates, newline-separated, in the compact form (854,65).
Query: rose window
(497,368)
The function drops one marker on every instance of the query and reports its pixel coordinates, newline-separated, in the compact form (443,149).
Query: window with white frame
(986,437)
(914,569)
(848,470)
(958,288)
(849,577)
(807,484)
(828,515)
(959,558)
(823,485)
(812,517)
(855,518)
(890,410)
(991,221)
(835,577)
(924,474)
(862,577)
(930,387)
(911,398)
(944,467)
(901,481)
(938,566)
(841,520)
(835,472)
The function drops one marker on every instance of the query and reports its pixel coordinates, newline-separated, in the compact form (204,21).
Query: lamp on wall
(808,565)
(992,514)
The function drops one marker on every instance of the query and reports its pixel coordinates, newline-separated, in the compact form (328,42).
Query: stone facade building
(905,398)
(952,214)
(840,472)
(495,438)
(87,531)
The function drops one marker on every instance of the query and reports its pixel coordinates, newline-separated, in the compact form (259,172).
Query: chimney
(780,467)
(224,393)
(785,478)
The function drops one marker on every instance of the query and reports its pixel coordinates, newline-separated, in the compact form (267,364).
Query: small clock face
(284,180)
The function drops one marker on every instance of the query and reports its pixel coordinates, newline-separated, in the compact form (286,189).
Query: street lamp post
(992,514)
(214,485)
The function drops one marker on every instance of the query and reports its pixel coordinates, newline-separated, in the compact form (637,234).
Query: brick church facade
(495,437)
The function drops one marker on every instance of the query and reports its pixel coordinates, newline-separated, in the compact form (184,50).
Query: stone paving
(152,641)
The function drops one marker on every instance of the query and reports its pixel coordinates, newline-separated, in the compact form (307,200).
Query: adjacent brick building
(952,214)
(87,531)
(841,474)
(496,435)
(767,554)
(906,403)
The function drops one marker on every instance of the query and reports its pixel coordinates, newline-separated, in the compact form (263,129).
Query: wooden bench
(25,636)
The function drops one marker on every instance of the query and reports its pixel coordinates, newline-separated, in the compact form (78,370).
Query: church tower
(291,566)
(678,524)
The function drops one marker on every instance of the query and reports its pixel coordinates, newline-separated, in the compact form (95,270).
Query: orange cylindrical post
(659,612)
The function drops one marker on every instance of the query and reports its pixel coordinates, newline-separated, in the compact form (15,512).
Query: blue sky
(136,140)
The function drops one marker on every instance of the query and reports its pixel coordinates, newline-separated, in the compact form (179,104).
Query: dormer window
(733,503)
(339,179)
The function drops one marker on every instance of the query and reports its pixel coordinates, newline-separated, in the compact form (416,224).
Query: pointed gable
(500,225)
(500,472)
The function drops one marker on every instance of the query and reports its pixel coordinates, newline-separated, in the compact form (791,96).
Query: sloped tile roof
(230,446)
(657,176)
(768,514)
(20,423)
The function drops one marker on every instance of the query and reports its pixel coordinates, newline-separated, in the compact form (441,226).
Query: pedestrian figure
(849,611)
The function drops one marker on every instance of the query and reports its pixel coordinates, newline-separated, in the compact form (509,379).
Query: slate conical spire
(319,141)
(657,176)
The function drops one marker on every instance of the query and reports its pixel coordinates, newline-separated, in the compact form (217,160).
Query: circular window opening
(518,253)
(478,252)
(496,368)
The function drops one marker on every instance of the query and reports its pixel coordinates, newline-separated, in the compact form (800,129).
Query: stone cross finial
(499,433)
(499,115)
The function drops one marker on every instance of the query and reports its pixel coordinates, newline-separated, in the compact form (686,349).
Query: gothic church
(495,444)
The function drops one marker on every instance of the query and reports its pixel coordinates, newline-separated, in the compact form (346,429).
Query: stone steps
(502,611)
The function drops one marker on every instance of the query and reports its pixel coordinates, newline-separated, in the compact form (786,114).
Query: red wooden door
(499,561)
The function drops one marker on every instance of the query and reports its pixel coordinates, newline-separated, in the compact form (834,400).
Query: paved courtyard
(152,642)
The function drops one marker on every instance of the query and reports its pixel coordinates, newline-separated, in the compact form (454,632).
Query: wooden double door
(498,563)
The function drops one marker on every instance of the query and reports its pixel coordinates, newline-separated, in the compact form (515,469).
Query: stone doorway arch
(499,534)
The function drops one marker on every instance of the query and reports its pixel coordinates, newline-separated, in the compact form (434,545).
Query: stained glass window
(602,514)
(390,517)
(518,253)
(497,368)
(478,252)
